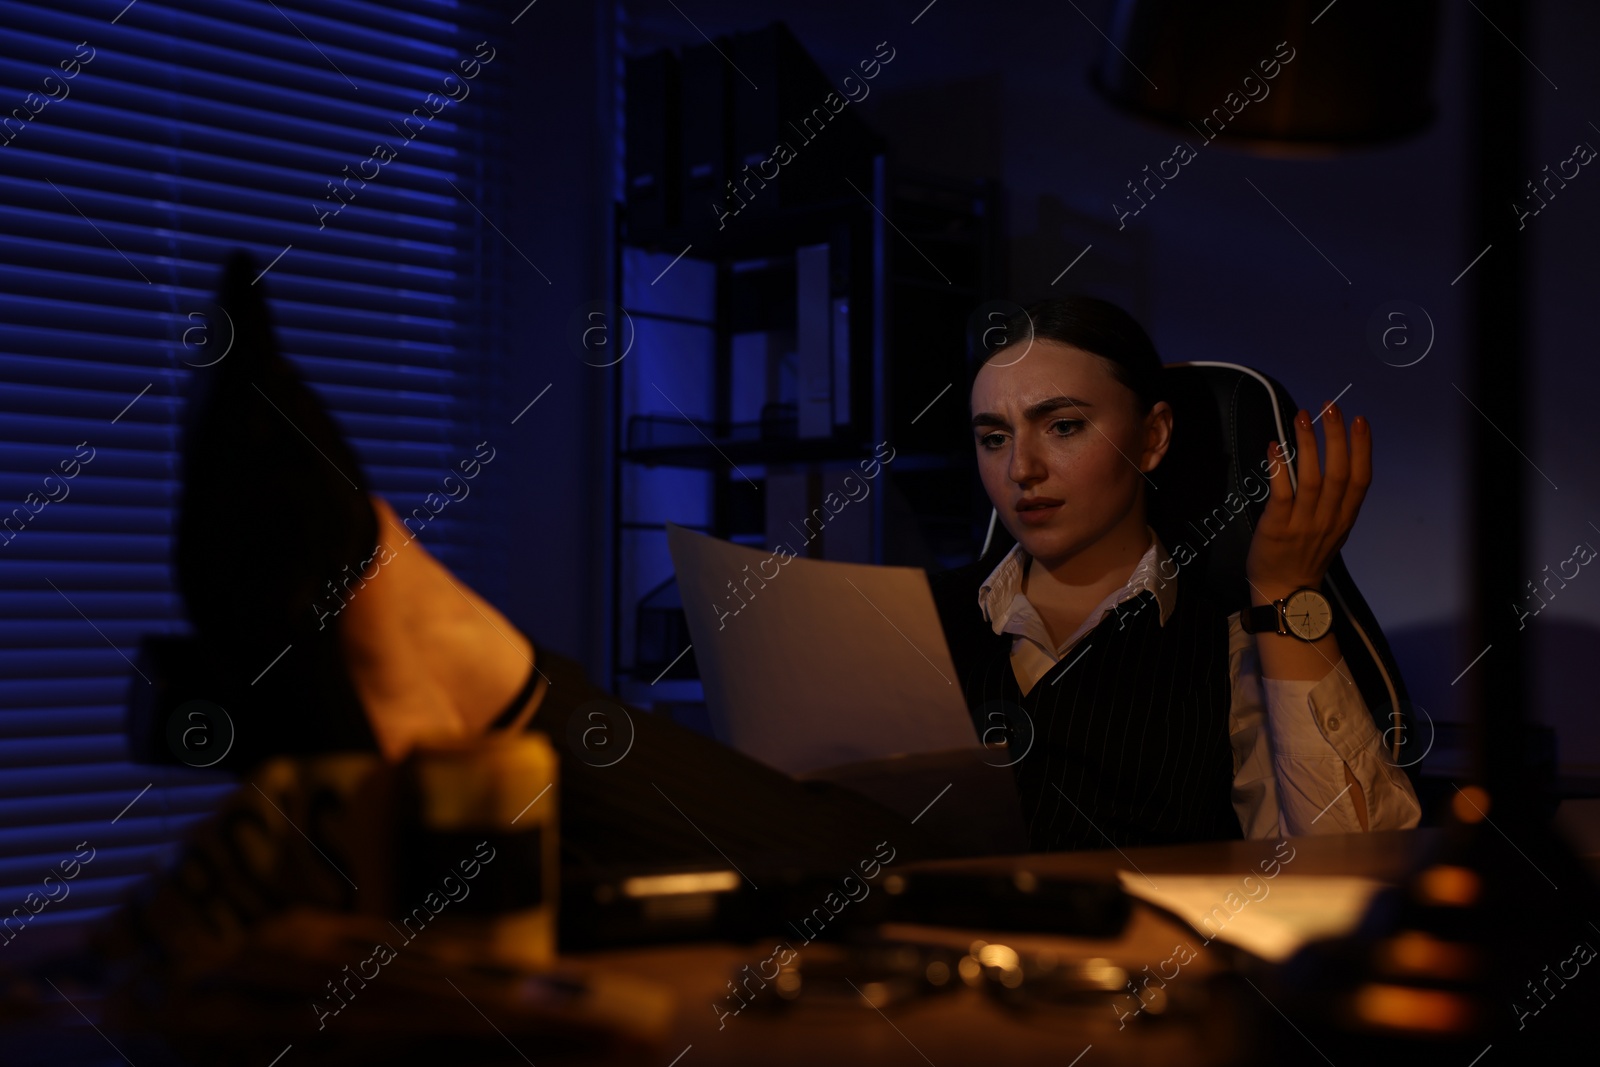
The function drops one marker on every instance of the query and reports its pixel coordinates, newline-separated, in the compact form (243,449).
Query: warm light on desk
(1416,953)
(1403,1008)
(660,885)
(1448,885)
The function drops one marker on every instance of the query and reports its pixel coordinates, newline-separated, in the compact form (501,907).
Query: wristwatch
(1305,613)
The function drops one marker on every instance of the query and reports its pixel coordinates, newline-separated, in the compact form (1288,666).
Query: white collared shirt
(1291,739)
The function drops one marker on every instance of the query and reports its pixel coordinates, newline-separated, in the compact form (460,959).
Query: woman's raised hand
(1300,532)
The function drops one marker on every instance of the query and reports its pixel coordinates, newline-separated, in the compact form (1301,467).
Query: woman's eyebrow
(1033,411)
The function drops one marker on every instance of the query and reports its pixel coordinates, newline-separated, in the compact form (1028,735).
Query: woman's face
(1062,447)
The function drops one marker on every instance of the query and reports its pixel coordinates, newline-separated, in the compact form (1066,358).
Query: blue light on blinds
(139,145)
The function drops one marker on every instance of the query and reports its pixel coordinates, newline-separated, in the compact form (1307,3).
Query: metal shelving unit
(878,262)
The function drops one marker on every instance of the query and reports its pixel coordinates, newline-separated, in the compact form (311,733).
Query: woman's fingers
(1360,472)
(1280,494)
(1347,476)
(1305,525)
(1336,476)
(1308,470)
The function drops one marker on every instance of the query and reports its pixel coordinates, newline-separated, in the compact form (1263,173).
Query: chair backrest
(1209,492)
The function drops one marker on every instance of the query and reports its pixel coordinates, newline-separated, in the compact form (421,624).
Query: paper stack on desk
(1271,919)
(810,664)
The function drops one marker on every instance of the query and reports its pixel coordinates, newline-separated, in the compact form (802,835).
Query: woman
(1146,711)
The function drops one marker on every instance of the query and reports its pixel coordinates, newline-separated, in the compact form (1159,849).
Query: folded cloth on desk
(1270,917)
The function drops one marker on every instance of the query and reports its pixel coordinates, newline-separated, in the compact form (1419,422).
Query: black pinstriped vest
(1126,738)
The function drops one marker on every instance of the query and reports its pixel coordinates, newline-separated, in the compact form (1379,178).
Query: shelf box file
(814,356)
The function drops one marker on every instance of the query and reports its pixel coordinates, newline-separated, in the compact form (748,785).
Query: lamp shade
(1274,74)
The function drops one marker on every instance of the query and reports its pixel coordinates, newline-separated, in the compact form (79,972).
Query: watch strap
(1262,618)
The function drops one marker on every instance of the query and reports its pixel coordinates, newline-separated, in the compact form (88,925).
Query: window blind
(139,144)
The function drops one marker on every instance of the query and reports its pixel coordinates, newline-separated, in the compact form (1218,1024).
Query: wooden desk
(1213,1017)
(967,1025)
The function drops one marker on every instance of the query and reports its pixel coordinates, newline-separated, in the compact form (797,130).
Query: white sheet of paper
(1270,917)
(816,663)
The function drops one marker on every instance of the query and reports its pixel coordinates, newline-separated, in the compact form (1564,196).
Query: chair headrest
(1211,487)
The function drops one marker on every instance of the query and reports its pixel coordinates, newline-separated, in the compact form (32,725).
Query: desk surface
(1212,1016)
(967,1025)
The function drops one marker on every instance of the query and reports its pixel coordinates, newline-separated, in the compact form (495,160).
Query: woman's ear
(1157,435)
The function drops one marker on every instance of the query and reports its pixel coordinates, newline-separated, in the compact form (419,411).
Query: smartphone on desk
(686,903)
(1017,900)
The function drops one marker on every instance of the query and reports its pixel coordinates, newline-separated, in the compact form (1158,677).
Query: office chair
(1223,416)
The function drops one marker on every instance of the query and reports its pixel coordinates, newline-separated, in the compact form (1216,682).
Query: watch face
(1308,614)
